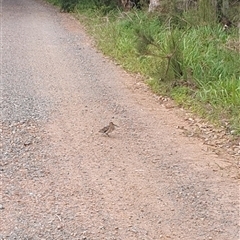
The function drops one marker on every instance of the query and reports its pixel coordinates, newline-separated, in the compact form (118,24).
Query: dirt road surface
(62,179)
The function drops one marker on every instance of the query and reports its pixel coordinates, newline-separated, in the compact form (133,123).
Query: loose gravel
(62,179)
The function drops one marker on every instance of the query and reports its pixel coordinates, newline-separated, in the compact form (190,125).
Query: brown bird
(108,129)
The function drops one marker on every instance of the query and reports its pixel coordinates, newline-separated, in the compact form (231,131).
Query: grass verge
(195,64)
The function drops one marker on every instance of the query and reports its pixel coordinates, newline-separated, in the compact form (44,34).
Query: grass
(196,64)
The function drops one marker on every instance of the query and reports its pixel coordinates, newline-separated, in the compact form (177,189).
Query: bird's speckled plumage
(108,129)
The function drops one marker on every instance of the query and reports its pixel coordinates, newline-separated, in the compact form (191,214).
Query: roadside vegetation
(183,53)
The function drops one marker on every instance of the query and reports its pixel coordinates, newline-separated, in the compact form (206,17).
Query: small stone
(1,207)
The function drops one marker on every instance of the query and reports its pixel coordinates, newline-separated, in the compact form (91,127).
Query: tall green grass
(195,64)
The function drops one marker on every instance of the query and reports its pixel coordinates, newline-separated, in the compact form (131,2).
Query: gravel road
(62,179)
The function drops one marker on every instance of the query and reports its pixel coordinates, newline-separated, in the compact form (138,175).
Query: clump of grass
(68,5)
(222,101)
